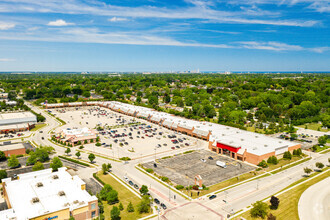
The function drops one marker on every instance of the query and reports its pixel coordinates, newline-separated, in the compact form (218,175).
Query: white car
(203,160)
(126,179)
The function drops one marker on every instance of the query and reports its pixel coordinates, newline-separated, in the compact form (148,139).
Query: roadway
(314,203)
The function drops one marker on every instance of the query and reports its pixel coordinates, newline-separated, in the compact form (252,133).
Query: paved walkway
(314,203)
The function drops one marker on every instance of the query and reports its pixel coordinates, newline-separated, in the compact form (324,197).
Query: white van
(221,164)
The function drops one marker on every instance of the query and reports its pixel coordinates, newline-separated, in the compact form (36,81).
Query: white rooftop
(22,191)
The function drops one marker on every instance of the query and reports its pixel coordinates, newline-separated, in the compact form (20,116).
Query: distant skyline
(173,35)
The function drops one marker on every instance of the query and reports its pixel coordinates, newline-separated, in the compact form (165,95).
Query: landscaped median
(289,197)
(125,197)
(74,161)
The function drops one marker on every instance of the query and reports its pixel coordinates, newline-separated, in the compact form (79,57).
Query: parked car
(156,201)
(163,206)
(210,158)
(203,160)
(173,148)
(130,183)
(212,197)
(136,186)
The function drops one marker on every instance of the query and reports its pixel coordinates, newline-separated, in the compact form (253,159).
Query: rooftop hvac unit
(55,177)
(242,139)
(75,201)
(40,184)
(266,145)
(35,200)
(61,193)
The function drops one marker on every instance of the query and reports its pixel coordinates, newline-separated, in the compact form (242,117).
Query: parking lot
(123,135)
(183,168)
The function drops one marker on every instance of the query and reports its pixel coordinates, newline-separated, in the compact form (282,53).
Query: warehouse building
(233,142)
(14,148)
(17,121)
(47,195)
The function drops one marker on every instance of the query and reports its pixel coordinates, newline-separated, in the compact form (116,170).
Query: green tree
(319,165)
(144,190)
(67,151)
(3,174)
(259,209)
(38,166)
(144,205)
(112,197)
(32,159)
(56,163)
(2,156)
(42,154)
(115,213)
(104,168)
(91,157)
(274,201)
(130,207)
(307,170)
(13,161)
(323,140)
(287,155)
(78,154)
(121,207)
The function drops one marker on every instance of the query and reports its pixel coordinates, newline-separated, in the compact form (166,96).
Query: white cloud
(59,23)
(6,26)
(320,49)
(6,60)
(115,19)
(274,46)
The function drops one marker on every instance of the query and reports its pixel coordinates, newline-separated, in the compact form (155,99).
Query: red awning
(232,149)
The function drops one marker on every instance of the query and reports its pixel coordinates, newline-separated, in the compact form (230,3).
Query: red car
(173,148)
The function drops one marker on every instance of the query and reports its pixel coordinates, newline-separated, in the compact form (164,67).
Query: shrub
(125,158)
(272,160)
(263,164)
(287,155)
(3,174)
(121,207)
(149,170)
(98,144)
(179,187)
(164,178)
(81,147)
(195,187)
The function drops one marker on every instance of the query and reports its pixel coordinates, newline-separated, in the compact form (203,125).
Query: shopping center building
(233,142)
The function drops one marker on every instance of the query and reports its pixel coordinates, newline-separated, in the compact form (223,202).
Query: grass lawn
(124,195)
(252,129)
(288,208)
(38,126)
(223,184)
(282,162)
(318,148)
(313,126)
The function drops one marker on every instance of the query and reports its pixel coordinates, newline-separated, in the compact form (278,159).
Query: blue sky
(164,35)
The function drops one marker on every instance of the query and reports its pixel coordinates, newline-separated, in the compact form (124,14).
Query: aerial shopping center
(236,143)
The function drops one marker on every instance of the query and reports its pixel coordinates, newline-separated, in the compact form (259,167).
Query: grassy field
(313,126)
(252,129)
(288,208)
(38,126)
(125,196)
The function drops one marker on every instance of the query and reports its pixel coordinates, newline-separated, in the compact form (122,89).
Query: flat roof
(22,191)
(14,146)
(16,115)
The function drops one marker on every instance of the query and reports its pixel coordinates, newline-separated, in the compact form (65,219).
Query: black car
(156,201)
(210,158)
(163,206)
(212,197)
(155,165)
(136,186)
(130,183)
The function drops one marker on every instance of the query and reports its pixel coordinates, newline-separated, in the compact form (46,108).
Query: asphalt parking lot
(132,140)
(183,168)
